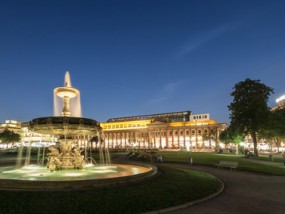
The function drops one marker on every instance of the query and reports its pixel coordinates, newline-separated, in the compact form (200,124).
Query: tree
(8,136)
(211,135)
(249,111)
(231,135)
(274,130)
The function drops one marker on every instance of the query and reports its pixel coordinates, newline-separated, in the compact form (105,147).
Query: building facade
(11,125)
(280,103)
(174,130)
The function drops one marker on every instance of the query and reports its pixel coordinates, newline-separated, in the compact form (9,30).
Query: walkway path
(244,193)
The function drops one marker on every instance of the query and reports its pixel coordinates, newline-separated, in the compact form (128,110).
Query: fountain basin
(66,92)
(70,126)
(39,178)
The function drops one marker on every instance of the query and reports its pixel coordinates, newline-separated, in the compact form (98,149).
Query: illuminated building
(280,103)
(11,125)
(175,130)
(27,136)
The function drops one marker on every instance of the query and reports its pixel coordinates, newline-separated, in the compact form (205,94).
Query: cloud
(166,92)
(201,39)
(157,100)
(172,86)
(126,88)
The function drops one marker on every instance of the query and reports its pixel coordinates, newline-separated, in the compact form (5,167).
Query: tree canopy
(231,135)
(249,110)
(8,136)
(274,130)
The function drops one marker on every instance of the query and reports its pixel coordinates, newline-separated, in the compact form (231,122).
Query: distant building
(174,130)
(11,125)
(27,136)
(280,103)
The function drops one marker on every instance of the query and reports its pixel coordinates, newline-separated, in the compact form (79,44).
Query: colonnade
(160,138)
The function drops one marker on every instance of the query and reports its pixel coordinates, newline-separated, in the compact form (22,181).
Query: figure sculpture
(54,162)
(78,159)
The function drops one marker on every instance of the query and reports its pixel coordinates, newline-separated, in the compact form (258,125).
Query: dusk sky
(139,56)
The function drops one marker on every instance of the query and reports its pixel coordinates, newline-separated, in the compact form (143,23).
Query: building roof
(170,115)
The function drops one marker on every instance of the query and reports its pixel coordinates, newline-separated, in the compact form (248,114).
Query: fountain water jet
(68,95)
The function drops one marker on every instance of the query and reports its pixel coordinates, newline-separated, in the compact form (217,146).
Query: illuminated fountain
(66,163)
(69,95)
(67,128)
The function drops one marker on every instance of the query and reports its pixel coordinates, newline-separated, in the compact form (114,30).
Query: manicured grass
(210,159)
(174,187)
(276,158)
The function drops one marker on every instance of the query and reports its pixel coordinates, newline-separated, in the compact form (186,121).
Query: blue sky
(138,57)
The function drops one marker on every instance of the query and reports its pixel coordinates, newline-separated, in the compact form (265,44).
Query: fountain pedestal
(68,157)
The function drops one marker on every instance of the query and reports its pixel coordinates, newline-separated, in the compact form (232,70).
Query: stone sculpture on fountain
(78,159)
(54,162)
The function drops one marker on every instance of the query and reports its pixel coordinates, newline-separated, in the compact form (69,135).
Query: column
(172,131)
(166,133)
(149,139)
(178,135)
(160,140)
(154,139)
(184,137)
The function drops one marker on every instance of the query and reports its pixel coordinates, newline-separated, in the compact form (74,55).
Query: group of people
(157,158)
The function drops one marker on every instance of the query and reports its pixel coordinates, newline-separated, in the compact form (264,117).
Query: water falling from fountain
(102,156)
(19,156)
(108,158)
(39,154)
(57,105)
(28,154)
(75,106)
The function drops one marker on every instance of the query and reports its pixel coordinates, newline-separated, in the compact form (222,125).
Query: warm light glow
(33,172)
(66,92)
(280,98)
(137,124)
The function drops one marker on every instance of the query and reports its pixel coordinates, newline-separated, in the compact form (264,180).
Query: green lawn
(210,159)
(174,187)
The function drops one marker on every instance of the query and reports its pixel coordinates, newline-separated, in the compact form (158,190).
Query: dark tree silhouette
(8,136)
(274,130)
(249,111)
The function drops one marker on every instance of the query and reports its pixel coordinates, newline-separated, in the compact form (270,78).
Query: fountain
(67,128)
(66,167)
